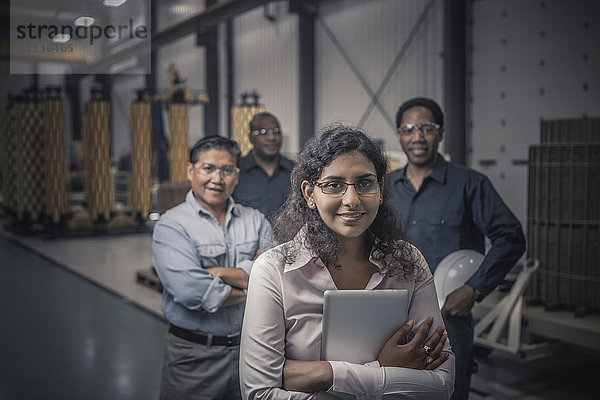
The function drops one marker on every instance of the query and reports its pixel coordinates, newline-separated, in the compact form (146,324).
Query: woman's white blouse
(283,320)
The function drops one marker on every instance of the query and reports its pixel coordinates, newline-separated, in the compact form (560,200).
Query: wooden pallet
(148,277)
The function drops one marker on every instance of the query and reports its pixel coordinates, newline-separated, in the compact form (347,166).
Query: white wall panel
(266,59)
(372,33)
(530,60)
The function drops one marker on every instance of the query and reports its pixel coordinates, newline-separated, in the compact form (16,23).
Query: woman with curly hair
(338,232)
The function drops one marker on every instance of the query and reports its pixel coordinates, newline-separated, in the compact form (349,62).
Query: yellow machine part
(141,150)
(56,163)
(240,118)
(178,149)
(7,154)
(30,155)
(96,159)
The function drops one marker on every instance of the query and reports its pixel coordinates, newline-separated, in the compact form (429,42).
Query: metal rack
(564,215)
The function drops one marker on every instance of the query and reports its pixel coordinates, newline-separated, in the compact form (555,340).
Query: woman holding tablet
(338,232)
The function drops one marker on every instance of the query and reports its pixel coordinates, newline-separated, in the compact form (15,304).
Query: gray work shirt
(455,208)
(186,240)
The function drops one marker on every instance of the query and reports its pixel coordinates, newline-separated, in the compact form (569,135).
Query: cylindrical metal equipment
(240,118)
(56,164)
(178,148)
(564,214)
(140,178)
(96,159)
(30,158)
(8,152)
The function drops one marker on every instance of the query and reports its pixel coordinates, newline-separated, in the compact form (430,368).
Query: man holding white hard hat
(446,207)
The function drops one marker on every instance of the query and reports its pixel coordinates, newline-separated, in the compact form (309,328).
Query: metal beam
(151,77)
(230,67)
(306,11)
(374,99)
(208,38)
(211,16)
(455,82)
(401,53)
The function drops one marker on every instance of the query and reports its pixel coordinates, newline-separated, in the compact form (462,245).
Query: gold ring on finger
(427,349)
(428,360)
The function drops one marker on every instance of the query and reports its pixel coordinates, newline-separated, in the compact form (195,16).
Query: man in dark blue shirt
(264,173)
(447,207)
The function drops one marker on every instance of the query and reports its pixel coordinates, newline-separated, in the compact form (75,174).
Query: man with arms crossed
(447,207)
(203,250)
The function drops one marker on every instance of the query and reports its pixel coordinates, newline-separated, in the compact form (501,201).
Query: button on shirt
(455,208)
(259,190)
(186,240)
(283,320)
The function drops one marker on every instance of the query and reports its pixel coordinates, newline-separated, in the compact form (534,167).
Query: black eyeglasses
(209,169)
(425,129)
(363,187)
(265,132)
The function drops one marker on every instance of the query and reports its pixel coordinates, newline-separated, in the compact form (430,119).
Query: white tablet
(357,323)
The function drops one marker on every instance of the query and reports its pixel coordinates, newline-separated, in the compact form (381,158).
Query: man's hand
(236,296)
(460,301)
(236,277)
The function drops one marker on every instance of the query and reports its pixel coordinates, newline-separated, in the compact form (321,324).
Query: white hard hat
(454,270)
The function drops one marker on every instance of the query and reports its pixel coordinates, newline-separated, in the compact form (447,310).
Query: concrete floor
(76,325)
(64,337)
(568,373)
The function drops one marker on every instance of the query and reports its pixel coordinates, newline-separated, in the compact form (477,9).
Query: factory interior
(95,132)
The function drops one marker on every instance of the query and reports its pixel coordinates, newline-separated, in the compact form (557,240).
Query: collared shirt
(283,320)
(259,190)
(186,240)
(455,208)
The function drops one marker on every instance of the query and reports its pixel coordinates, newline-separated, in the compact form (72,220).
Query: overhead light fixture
(61,38)
(113,3)
(84,20)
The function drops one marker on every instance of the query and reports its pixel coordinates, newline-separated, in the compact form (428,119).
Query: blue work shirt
(259,190)
(186,240)
(455,208)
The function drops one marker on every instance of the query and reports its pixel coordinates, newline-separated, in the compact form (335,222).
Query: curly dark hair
(385,235)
